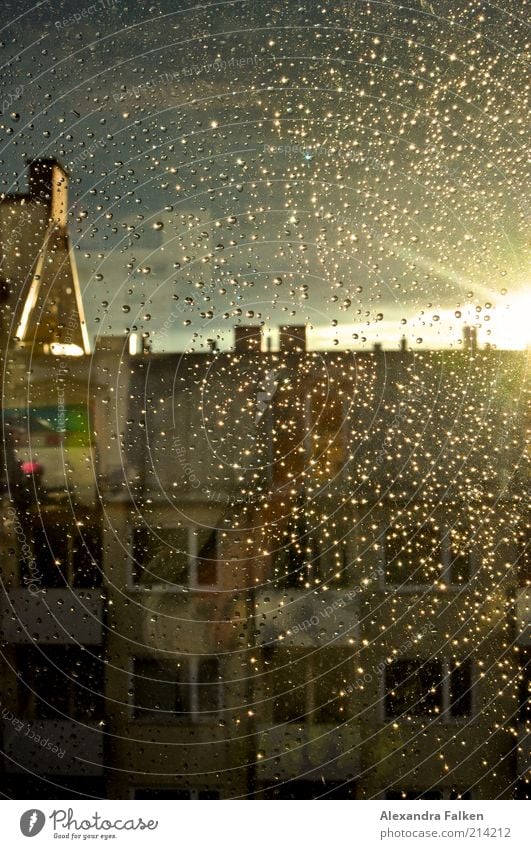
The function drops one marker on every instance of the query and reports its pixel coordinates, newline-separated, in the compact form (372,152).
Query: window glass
(412,554)
(460,554)
(166,690)
(62,681)
(413,688)
(50,547)
(161,556)
(87,558)
(156,690)
(207,557)
(461,688)
(265,348)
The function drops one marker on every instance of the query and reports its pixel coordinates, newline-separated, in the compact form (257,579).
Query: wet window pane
(264,328)
(413,688)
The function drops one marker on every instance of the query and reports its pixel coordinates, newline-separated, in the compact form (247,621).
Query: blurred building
(284,574)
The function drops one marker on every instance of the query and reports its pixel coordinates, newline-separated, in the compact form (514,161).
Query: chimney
(48,183)
(293,338)
(470,338)
(403,344)
(377,347)
(247,338)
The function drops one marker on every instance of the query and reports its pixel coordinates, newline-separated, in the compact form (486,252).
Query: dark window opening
(413,688)
(524,701)
(298,560)
(449,795)
(308,691)
(163,793)
(460,554)
(311,790)
(50,550)
(207,686)
(329,703)
(207,563)
(412,555)
(87,559)
(461,689)
(164,691)
(61,679)
(160,556)
(290,703)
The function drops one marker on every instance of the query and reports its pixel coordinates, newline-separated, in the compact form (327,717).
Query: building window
(308,691)
(87,564)
(294,561)
(431,688)
(413,688)
(325,697)
(160,556)
(64,557)
(423,553)
(175,557)
(524,701)
(164,690)
(460,689)
(332,559)
(413,554)
(297,789)
(326,442)
(173,793)
(59,680)
(50,550)
(305,558)
(204,543)
(290,701)
(446,794)
(457,555)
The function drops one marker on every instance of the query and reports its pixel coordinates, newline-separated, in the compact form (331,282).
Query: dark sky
(358,166)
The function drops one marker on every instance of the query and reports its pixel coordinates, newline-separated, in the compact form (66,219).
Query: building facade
(255,573)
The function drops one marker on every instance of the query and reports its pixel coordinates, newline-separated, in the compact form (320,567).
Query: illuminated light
(510,324)
(134,345)
(58,349)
